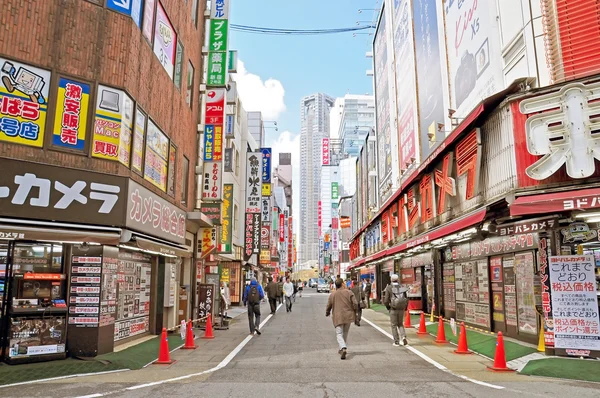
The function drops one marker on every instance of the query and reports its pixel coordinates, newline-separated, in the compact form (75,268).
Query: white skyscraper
(314,114)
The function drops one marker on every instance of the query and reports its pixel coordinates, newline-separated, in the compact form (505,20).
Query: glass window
(178,65)
(235,218)
(237,162)
(190,84)
(185,171)
(195,12)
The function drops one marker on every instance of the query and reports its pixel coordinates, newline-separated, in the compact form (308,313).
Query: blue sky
(333,64)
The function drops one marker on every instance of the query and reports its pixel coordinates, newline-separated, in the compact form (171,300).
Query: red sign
(265,236)
(215,107)
(43,277)
(218,143)
(281,228)
(319,217)
(385,226)
(556,202)
(325,151)
(290,239)
(346,222)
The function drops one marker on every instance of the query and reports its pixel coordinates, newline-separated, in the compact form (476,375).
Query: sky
(275,72)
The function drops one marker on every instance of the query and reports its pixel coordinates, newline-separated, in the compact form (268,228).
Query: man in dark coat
(360,296)
(272,290)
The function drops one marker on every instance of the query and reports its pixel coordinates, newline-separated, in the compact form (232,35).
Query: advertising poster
(126,130)
(543,256)
(138,141)
(574,302)
(165,40)
(23,103)
(148,21)
(449,287)
(510,291)
(212,182)
(107,124)
(70,121)
(382,105)
(157,156)
(208,241)
(429,77)
(226,229)
(474,56)
(36,336)
(206,300)
(405,84)
(527,315)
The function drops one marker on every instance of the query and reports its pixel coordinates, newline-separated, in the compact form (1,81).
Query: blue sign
(132,8)
(136,12)
(209,143)
(229,126)
(266,164)
(326,246)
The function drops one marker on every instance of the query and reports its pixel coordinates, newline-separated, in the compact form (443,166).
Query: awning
(158,246)
(554,202)
(22,232)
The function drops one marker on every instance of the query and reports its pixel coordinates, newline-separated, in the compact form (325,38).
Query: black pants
(358,314)
(273,304)
(253,316)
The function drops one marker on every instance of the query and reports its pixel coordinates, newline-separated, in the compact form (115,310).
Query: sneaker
(396,344)
(344,353)
(404,341)
(258,332)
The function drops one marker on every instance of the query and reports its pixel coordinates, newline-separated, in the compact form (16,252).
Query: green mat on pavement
(130,358)
(484,344)
(575,369)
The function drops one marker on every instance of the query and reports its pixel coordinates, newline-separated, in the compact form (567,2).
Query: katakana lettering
(28,181)
(105,193)
(70,194)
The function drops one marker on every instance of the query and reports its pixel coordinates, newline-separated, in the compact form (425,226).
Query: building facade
(314,111)
(98,173)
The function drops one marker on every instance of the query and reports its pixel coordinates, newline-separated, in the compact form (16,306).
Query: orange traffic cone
(208,332)
(462,341)
(500,357)
(189,338)
(164,356)
(407,319)
(422,329)
(441,335)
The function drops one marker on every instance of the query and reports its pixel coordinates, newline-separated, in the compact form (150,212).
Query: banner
(212,181)
(70,121)
(226,220)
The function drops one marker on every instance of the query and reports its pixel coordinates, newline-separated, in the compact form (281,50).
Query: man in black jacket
(368,287)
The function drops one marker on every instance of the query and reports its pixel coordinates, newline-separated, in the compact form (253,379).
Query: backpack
(399,300)
(253,296)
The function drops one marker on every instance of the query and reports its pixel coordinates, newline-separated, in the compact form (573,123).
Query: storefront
(417,275)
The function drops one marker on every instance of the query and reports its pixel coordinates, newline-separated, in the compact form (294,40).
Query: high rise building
(314,114)
(353,118)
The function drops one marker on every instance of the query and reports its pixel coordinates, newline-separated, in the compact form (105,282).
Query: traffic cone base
(422,328)
(407,319)
(463,348)
(208,332)
(189,337)
(441,335)
(164,356)
(500,357)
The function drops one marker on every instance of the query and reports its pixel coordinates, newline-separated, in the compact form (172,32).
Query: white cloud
(257,95)
(288,142)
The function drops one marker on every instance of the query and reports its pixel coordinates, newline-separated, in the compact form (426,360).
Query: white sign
(574,302)
(253,182)
(474,54)
(212,181)
(183,329)
(220,9)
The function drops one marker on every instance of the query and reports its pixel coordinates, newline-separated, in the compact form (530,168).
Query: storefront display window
(510,291)
(231,274)
(36,336)
(133,295)
(524,271)
(472,292)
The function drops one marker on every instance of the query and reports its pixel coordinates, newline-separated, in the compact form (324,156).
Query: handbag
(363,305)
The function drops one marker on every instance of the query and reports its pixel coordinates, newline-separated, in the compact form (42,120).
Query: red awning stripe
(556,202)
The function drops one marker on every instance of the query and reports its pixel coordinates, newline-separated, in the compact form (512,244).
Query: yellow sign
(265,257)
(107,124)
(208,241)
(23,103)
(157,155)
(225,274)
(70,120)
(266,189)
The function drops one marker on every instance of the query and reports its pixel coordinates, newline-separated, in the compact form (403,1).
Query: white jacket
(288,289)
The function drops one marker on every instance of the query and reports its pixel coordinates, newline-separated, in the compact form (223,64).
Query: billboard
(429,73)
(474,55)
(70,122)
(405,84)
(226,230)
(165,40)
(382,104)
(326,153)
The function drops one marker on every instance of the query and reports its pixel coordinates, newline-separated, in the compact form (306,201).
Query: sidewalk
(138,357)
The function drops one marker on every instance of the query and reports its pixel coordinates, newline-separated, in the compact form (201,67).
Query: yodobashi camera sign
(474,53)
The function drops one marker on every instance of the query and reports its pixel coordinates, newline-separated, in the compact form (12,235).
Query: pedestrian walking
(360,299)
(280,290)
(396,301)
(342,303)
(295,283)
(225,296)
(368,288)
(272,292)
(288,290)
(300,287)
(252,297)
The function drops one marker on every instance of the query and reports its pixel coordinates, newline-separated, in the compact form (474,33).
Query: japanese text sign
(215,107)
(209,142)
(217,70)
(253,182)
(252,230)
(266,164)
(574,302)
(165,40)
(218,36)
(334,190)
(212,183)
(23,103)
(220,9)
(325,161)
(266,208)
(70,121)
(55,193)
(226,220)
(205,299)
(208,241)
(151,214)
(112,125)
(157,157)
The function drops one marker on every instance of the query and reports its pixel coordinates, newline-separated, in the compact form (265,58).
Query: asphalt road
(296,356)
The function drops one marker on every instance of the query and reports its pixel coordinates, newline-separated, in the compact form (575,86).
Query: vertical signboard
(289,239)
(138,141)
(217,43)
(208,241)
(334,191)
(157,155)
(253,204)
(320,217)
(326,153)
(281,228)
(70,121)
(212,181)
(165,40)
(215,107)
(382,105)
(84,300)
(405,84)
(429,77)
(266,164)
(474,55)
(226,220)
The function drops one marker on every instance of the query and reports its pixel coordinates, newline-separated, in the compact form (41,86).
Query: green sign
(217,68)
(232,61)
(334,190)
(218,35)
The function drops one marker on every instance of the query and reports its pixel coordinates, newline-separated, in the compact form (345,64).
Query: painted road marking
(433,362)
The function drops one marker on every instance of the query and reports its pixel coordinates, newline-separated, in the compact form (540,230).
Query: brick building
(98,142)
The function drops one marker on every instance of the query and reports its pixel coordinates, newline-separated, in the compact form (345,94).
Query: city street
(296,356)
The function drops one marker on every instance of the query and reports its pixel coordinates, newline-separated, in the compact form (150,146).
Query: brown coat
(343,304)
(358,292)
(272,290)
